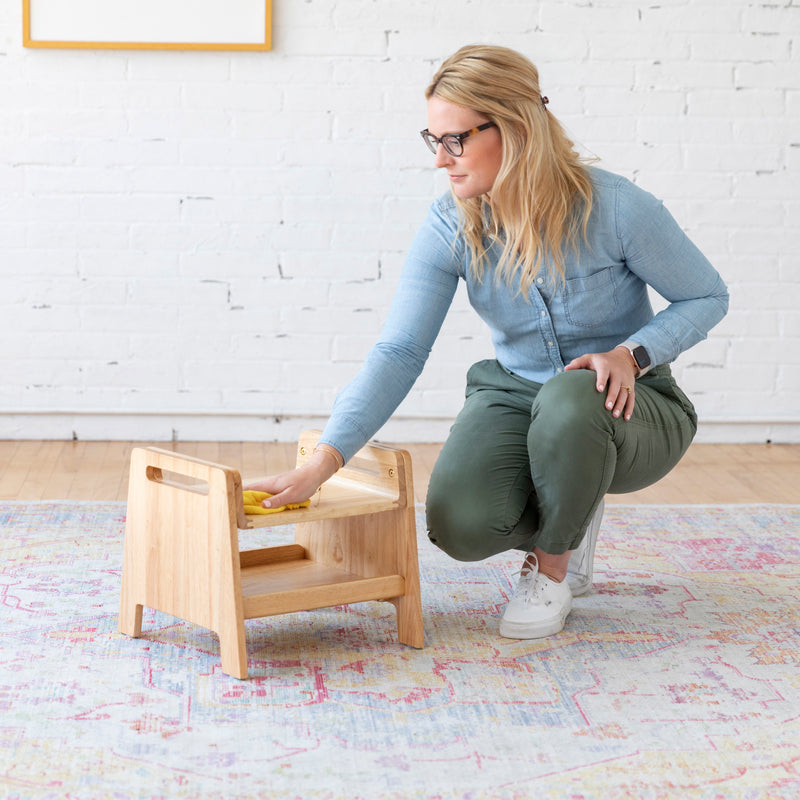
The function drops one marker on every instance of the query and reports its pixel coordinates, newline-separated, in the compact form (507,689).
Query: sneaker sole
(522,630)
(579,587)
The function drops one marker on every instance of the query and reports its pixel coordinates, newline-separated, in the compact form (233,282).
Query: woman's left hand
(616,372)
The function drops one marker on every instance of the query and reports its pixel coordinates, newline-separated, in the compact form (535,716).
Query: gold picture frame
(148,24)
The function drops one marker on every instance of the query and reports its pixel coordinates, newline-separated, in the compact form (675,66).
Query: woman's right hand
(297,484)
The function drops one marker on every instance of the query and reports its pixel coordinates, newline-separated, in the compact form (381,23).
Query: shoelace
(528,586)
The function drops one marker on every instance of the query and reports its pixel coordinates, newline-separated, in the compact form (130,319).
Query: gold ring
(628,388)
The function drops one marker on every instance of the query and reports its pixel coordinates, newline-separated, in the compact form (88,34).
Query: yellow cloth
(252,503)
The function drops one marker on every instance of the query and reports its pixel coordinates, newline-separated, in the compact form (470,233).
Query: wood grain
(708,473)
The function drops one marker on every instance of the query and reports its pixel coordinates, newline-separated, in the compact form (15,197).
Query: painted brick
(209,242)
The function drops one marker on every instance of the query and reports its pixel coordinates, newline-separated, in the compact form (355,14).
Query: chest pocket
(592,300)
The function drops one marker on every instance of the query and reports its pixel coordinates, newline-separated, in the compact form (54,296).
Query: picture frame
(148,24)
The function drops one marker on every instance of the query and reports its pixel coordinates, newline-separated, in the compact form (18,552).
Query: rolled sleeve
(658,251)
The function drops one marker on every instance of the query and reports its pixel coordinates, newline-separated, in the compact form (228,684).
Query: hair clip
(545,100)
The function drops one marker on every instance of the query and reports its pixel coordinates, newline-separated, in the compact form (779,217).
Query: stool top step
(335,499)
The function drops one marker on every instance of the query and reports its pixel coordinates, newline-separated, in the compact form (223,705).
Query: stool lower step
(283,582)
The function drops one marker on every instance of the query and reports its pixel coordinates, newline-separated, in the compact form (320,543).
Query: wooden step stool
(355,542)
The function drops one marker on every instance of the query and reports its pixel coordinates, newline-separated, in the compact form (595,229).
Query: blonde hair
(541,199)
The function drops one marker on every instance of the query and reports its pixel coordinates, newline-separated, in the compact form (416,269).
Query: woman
(557,257)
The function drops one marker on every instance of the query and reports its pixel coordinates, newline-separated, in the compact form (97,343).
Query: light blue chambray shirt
(632,241)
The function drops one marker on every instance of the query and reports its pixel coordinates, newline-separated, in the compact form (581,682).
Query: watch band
(643,365)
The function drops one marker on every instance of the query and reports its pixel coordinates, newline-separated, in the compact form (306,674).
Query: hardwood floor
(55,470)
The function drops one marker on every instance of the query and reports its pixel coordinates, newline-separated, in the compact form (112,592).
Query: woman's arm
(423,296)
(657,250)
(424,293)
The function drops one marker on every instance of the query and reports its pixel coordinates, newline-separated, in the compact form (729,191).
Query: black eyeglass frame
(452,140)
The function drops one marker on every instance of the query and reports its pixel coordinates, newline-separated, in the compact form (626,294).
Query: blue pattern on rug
(676,677)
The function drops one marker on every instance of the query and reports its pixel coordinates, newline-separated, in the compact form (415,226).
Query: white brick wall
(204,244)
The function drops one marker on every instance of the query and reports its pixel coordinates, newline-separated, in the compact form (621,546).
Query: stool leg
(228,581)
(410,629)
(409,620)
(130,619)
(233,651)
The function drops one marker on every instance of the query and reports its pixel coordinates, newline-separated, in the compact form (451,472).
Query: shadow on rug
(676,677)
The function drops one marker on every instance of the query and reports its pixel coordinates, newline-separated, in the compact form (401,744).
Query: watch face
(641,357)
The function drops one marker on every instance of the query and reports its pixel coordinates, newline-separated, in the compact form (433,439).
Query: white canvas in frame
(201,24)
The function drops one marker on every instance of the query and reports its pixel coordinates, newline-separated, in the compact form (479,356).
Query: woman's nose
(443,158)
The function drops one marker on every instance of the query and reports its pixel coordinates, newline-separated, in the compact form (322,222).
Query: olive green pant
(526,464)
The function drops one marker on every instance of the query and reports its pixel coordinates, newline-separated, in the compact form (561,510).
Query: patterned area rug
(678,676)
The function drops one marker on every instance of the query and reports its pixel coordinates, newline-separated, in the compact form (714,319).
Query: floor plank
(725,473)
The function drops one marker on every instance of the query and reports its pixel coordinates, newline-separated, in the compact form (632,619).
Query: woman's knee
(456,524)
(570,401)
(481,483)
(472,520)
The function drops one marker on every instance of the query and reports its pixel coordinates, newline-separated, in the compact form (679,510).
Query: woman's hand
(298,484)
(616,371)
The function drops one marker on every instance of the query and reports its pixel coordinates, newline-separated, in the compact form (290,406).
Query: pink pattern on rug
(676,677)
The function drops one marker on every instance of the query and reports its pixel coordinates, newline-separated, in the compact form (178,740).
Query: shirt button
(544,313)
(549,344)
(540,280)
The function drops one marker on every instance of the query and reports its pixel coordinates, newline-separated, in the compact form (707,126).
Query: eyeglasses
(452,142)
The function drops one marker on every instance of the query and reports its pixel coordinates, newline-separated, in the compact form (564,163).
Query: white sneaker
(539,606)
(581,562)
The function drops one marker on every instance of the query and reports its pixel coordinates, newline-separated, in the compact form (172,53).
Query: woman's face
(472,173)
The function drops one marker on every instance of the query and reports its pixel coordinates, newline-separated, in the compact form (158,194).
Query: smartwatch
(639,356)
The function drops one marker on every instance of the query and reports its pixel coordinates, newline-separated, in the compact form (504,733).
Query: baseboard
(222,427)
